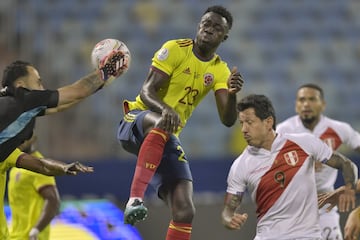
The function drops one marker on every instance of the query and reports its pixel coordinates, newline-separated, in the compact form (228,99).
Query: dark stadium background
(276,44)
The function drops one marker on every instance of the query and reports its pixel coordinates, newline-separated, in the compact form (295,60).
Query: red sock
(149,158)
(179,231)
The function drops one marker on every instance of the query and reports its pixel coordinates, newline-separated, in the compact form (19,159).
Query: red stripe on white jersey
(331,138)
(274,182)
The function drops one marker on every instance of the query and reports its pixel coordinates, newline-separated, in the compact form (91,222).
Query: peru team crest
(330,142)
(208,79)
(291,158)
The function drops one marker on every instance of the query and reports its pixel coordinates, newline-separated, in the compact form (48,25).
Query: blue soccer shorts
(174,164)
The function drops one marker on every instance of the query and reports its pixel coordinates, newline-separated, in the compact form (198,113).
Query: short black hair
(221,11)
(313,86)
(261,104)
(13,72)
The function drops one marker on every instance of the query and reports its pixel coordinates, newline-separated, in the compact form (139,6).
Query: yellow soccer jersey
(9,162)
(25,201)
(191,78)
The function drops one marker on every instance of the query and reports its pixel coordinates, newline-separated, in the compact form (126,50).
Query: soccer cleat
(135,213)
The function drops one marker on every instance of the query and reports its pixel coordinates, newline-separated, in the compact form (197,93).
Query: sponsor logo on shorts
(150,166)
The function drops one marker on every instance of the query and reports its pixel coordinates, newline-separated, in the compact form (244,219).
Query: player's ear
(225,37)
(19,83)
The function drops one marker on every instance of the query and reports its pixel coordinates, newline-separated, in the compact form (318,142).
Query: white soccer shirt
(282,184)
(332,132)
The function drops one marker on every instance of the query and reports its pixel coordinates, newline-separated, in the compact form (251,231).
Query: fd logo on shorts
(208,79)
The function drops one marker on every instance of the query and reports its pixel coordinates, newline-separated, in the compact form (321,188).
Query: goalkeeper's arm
(71,94)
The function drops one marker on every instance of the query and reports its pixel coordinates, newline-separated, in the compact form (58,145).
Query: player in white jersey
(310,105)
(278,172)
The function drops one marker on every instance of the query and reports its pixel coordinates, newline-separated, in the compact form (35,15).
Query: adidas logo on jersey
(187,71)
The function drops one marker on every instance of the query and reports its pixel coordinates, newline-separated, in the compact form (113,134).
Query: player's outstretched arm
(50,167)
(231,218)
(71,94)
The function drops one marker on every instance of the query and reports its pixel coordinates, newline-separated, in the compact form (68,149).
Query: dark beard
(308,121)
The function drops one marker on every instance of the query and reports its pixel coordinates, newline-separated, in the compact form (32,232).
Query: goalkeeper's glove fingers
(113,65)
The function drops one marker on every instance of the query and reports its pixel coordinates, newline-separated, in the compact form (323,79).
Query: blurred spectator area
(276,44)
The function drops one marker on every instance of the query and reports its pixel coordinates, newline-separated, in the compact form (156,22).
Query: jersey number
(190,96)
(181,157)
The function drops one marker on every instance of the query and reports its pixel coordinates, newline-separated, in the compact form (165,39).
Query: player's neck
(268,144)
(310,125)
(203,54)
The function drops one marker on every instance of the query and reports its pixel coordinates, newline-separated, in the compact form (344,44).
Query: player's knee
(184,213)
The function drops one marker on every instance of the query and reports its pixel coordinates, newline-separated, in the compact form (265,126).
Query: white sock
(132,199)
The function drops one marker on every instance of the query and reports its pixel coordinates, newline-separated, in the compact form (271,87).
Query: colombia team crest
(208,79)
(291,158)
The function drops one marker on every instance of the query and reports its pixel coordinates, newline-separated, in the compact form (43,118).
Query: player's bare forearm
(57,168)
(343,197)
(50,167)
(90,82)
(80,89)
(51,206)
(226,100)
(230,114)
(45,218)
(231,203)
(113,65)
(231,216)
(71,94)
(226,105)
(62,107)
(31,163)
(348,168)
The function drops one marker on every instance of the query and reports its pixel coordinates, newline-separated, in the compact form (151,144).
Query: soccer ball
(103,48)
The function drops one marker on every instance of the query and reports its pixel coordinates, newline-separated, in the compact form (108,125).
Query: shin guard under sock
(149,158)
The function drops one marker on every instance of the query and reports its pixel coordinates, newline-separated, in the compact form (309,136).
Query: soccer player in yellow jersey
(34,200)
(352,225)
(183,71)
(44,166)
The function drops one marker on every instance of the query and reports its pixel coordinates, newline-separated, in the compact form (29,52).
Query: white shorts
(330,224)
